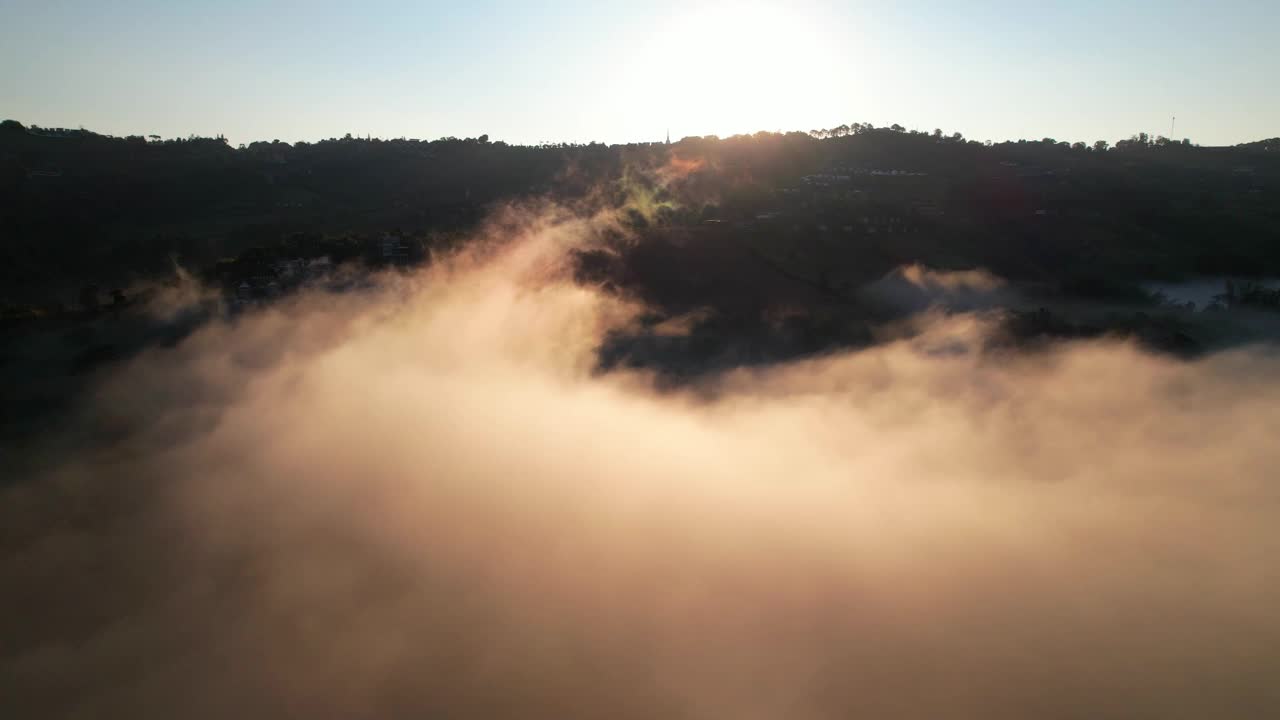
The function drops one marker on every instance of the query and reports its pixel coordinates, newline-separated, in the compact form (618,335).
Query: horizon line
(368,137)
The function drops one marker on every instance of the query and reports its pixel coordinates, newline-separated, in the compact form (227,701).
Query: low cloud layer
(424,501)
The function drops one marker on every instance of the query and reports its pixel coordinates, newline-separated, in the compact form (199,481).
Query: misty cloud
(914,288)
(423,501)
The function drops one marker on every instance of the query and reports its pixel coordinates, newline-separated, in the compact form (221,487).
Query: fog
(424,500)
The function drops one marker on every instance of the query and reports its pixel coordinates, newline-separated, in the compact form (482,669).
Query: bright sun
(742,67)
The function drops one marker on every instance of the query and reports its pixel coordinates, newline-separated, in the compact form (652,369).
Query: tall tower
(668,136)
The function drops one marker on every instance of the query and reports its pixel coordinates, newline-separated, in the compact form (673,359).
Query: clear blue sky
(534,70)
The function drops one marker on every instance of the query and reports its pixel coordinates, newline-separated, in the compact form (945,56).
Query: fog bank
(424,501)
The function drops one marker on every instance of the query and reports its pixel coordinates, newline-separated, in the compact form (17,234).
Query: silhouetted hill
(80,207)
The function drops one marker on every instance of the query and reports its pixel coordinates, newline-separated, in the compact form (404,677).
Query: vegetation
(764,246)
(84,214)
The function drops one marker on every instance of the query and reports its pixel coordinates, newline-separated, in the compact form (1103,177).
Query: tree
(1140,141)
(897,128)
(1101,146)
(1080,147)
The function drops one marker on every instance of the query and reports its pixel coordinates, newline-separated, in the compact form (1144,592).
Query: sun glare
(741,67)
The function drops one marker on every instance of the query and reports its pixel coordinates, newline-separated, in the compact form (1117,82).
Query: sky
(534,71)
